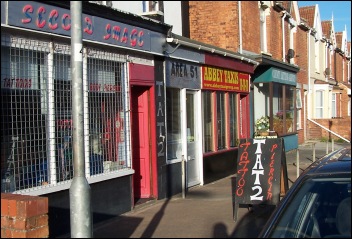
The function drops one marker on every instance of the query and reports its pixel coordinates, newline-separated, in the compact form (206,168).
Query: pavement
(207,210)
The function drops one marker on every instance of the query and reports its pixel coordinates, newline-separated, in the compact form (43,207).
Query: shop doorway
(192,166)
(141,146)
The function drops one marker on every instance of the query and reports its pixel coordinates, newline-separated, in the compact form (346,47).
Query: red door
(141,142)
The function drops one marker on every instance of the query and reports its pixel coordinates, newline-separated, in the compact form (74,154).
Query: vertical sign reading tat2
(258,178)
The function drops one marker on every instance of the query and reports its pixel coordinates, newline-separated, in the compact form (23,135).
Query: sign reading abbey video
(259,164)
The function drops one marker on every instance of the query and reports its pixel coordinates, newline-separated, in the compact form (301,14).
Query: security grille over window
(36,117)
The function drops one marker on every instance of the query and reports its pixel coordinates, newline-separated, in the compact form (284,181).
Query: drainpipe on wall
(326,60)
(240,26)
(309,88)
(283,35)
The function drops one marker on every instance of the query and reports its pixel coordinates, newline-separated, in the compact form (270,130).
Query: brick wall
(209,23)
(340,126)
(216,23)
(24,216)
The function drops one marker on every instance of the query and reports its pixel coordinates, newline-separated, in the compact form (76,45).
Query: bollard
(183,178)
(297,159)
(327,146)
(313,152)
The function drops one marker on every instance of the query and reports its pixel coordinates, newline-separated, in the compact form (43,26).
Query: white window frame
(319,109)
(334,105)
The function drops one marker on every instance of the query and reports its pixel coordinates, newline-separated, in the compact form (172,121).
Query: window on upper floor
(316,54)
(263,36)
(153,6)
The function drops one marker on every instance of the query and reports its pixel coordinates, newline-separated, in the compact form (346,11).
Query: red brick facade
(24,216)
(217,23)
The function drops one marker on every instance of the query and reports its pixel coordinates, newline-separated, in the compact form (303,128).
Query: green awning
(276,75)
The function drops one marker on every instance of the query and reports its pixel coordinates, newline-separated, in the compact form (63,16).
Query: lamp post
(80,208)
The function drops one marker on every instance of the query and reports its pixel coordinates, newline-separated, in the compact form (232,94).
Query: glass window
(22,122)
(333,106)
(316,54)
(283,108)
(208,121)
(263,35)
(221,120)
(315,209)
(106,115)
(233,119)
(319,104)
(299,108)
(290,93)
(36,116)
(63,114)
(278,109)
(298,99)
(173,117)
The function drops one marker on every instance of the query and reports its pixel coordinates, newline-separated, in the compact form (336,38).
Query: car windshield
(320,208)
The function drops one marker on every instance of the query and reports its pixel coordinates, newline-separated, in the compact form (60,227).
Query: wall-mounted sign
(222,79)
(276,75)
(47,18)
(182,75)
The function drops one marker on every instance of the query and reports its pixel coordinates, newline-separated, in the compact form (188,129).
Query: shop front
(225,113)
(121,70)
(275,108)
(184,132)
(207,109)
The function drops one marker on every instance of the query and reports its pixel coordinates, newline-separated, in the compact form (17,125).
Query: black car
(318,204)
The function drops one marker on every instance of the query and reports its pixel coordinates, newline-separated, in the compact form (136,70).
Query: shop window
(23,135)
(220,125)
(173,115)
(283,109)
(208,116)
(233,119)
(36,115)
(107,132)
(62,111)
(221,120)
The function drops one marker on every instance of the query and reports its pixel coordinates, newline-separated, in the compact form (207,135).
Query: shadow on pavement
(250,225)
(125,226)
(149,231)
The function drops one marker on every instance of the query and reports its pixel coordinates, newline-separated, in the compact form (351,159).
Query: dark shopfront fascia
(275,100)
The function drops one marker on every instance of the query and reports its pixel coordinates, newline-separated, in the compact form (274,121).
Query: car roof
(338,161)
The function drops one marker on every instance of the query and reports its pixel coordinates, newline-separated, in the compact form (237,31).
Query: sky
(340,10)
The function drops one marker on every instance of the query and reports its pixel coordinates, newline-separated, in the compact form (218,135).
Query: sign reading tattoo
(259,165)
